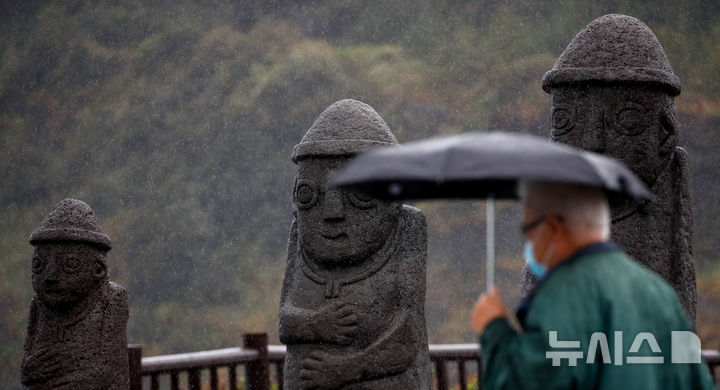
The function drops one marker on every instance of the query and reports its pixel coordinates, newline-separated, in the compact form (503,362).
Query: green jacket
(599,289)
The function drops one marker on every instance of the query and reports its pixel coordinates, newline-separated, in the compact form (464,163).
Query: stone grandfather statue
(76,330)
(352,304)
(613,92)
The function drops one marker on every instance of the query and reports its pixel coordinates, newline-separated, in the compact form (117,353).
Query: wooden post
(480,373)
(194,379)
(441,374)
(258,372)
(135,365)
(213,378)
(462,374)
(154,382)
(280,372)
(233,377)
(174,380)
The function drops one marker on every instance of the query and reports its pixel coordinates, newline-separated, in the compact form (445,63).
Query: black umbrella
(483,165)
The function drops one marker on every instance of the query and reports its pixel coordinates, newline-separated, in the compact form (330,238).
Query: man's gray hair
(584,208)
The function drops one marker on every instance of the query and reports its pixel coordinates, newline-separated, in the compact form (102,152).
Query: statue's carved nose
(594,133)
(334,207)
(51,274)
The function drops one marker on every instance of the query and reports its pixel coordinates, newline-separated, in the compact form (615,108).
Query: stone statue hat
(345,128)
(614,48)
(71,220)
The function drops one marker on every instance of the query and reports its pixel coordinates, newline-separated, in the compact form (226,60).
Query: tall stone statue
(76,331)
(613,92)
(352,304)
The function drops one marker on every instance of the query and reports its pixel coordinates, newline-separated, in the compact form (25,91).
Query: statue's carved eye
(305,195)
(563,120)
(71,263)
(630,119)
(361,200)
(37,264)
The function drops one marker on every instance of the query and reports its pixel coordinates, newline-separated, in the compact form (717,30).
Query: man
(612,93)
(593,312)
(76,328)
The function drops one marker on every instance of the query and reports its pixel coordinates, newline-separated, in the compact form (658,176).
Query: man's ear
(555,223)
(668,131)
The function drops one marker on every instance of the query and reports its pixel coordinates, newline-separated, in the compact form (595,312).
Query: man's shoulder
(605,265)
(607,272)
(609,276)
(618,266)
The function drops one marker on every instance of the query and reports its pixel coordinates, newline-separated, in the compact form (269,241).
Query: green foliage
(175,121)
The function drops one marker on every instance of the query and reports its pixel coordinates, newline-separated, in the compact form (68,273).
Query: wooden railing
(259,366)
(455,365)
(253,360)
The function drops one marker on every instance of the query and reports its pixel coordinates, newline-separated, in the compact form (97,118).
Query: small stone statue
(613,92)
(352,304)
(76,330)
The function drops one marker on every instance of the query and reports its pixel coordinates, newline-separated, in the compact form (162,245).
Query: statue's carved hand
(44,363)
(323,371)
(336,323)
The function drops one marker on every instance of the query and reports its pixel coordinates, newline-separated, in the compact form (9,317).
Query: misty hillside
(175,121)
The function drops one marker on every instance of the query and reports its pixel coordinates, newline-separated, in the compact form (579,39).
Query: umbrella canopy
(483,165)
(480,165)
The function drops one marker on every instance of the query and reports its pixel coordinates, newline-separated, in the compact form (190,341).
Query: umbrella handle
(490,242)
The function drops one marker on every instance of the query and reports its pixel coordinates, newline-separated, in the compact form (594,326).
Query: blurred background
(175,121)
